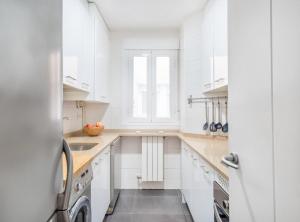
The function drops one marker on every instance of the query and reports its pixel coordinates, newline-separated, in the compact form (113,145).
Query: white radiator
(152,158)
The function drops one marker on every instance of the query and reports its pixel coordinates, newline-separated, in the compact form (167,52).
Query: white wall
(92,113)
(72,117)
(131,164)
(132,40)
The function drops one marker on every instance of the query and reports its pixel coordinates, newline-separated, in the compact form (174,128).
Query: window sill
(157,125)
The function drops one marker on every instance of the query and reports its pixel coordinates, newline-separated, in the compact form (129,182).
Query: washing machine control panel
(81,180)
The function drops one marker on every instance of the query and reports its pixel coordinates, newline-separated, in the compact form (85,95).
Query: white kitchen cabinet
(76,37)
(202,191)
(220,53)
(86,75)
(187,176)
(197,185)
(184,172)
(207,40)
(214,56)
(100,186)
(100,55)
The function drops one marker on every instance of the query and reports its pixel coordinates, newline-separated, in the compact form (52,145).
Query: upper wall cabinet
(86,46)
(76,35)
(214,35)
(220,43)
(100,54)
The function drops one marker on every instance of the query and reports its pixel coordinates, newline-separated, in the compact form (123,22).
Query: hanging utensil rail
(192,100)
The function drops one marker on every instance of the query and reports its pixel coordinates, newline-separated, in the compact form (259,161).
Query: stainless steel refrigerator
(31,134)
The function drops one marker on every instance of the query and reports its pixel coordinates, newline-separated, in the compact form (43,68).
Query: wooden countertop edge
(182,136)
(213,165)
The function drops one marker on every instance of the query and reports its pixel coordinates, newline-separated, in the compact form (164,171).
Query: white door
(250,110)
(286,95)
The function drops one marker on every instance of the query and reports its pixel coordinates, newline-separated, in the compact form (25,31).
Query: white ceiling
(146,14)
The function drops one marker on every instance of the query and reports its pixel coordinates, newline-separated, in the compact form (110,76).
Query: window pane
(163,87)
(140,87)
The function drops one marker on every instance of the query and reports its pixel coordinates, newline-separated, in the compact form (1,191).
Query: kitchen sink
(82,146)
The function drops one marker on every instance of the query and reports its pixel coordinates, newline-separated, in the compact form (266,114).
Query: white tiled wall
(131,164)
(72,117)
(75,119)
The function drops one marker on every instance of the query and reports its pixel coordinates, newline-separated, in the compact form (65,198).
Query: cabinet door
(101,58)
(184,171)
(85,74)
(206,53)
(189,178)
(106,177)
(72,41)
(98,189)
(202,192)
(76,40)
(220,42)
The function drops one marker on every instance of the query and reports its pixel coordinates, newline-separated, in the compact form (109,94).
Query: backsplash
(72,117)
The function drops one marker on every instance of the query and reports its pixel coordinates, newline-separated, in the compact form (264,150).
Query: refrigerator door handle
(64,197)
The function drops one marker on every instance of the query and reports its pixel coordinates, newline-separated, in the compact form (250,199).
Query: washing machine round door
(81,211)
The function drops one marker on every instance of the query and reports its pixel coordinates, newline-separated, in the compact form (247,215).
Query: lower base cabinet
(100,186)
(197,185)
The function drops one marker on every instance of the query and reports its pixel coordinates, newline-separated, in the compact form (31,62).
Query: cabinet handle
(85,85)
(220,79)
(205,169)
(195,163)
(71,77)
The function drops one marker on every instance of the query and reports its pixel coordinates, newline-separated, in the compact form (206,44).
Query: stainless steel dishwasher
(115,174)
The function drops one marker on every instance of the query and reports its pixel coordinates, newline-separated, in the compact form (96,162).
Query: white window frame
(151,87)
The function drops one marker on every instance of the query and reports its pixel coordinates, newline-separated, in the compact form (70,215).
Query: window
(140,90)
(152,93)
